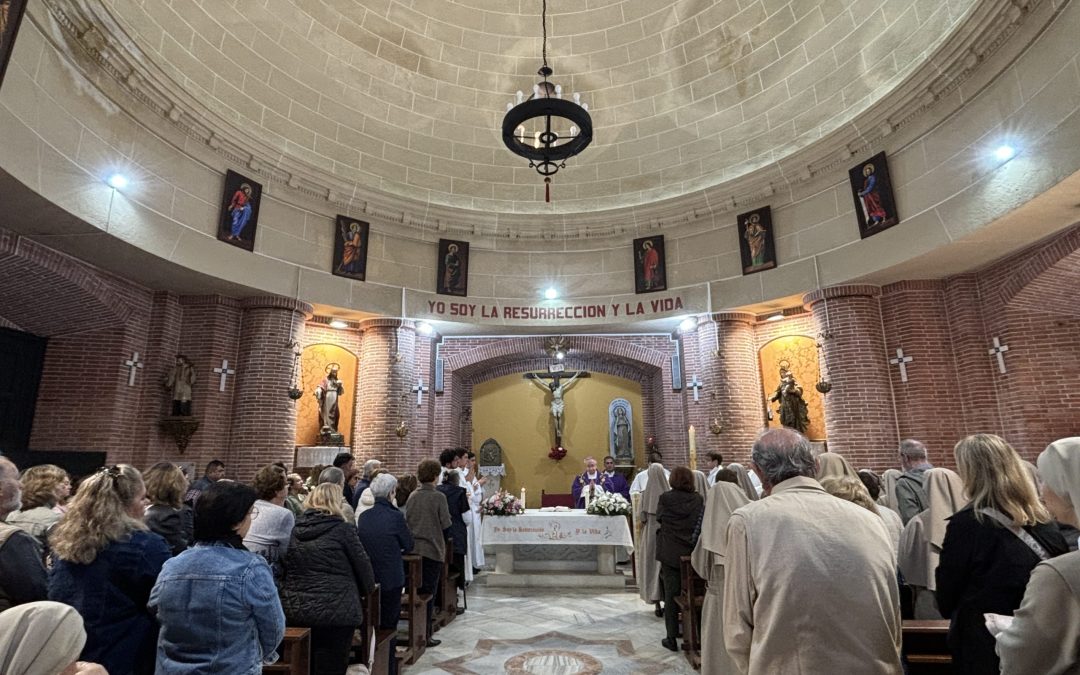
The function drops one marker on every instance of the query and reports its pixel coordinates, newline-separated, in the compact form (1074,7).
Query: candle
(522,496)
(693,448)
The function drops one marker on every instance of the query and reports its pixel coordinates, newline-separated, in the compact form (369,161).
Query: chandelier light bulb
(577,97)
(573,131)
(536,91)
(520,96)
(536,140)
(585,107)
(509,106)
(558,91)
(521,133)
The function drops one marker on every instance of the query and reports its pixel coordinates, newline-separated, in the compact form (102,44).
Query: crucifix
(419,389)
(901,361)
(999,350)
(224,371)
(694,384)
(133,365)
(557,388)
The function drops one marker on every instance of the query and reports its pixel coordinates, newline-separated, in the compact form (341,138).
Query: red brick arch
(585,348)
(1047,280)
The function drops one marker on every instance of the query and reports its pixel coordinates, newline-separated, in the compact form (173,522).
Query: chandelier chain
(543,24)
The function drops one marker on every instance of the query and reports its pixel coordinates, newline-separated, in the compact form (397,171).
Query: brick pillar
(860,417)
(161,343)
(385,399)
(264,417)
(733,388)
(978,404)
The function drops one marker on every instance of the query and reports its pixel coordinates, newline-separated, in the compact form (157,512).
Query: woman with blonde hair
(105,562)
(167,515)
(326,572)
(43,488)
(990,548)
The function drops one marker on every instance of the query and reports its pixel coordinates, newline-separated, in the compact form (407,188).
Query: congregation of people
(139,572)
(810,566)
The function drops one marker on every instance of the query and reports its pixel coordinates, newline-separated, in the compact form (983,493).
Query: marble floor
(552,631)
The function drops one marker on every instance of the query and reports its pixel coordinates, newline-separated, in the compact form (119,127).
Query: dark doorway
(22,356)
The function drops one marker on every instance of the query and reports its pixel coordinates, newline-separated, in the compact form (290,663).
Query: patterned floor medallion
(552,653)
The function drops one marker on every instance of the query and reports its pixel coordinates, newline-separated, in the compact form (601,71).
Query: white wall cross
(419,389)
(224,371)
(695,384)
(999,350)
(901,361)
(133,365)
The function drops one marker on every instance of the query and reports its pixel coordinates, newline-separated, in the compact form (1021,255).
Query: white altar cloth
(574,527)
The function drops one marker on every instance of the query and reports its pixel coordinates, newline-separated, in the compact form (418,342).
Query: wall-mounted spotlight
(688,324)
(779,316)
(424,328)
(551,293)
(339,324)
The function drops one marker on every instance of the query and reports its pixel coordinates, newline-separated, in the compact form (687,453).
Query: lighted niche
(798,353)
(314,364)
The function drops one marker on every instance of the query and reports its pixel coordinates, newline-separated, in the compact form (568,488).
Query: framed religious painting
(453,268)
(350,248)
(871,188)
(239,211)
(650,267)
(11,14)
(756,245)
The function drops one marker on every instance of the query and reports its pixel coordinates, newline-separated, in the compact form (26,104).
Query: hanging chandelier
(545,128)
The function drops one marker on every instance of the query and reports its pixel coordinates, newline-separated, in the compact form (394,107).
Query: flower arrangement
(502,503)
(557,453)
(609,504)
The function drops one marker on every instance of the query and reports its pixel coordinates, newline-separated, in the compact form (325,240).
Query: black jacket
(385,535)
(325,572)
(457,501)
(678,513)
(175,525)
(984,568)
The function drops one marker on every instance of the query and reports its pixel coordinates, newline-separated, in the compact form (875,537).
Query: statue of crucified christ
(558,390)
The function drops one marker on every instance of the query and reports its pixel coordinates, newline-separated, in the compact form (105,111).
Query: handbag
(1022,534)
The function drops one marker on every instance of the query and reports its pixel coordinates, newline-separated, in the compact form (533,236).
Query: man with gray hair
(810,580)
(22,572)
(911,485)
(333,474)
(365,480)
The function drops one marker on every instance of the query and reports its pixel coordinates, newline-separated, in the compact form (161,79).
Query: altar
(578,543)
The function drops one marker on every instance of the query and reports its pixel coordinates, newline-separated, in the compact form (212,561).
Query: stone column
(733,389)
(264,417)
(385,397)
(860,415)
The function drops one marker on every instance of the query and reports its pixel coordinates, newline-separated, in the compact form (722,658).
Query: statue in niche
(794,413)
(491,453)
(327,394)
(179,381)
(622,443)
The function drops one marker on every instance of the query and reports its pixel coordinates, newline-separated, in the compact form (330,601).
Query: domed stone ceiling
(406,96)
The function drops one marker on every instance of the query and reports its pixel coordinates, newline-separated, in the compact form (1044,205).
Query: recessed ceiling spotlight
(117,181)
(339,324)
(688,324)
(551,293)
(1004,153)
(779,316)
(424,328)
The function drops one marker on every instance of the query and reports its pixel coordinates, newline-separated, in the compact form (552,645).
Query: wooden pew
(371,644)
(448,602)
(690,601)
(926,646)
(413,611)
(295,654)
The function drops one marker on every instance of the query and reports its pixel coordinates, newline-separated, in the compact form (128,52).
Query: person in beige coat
(1044,638)
(648,569)
(921,538)
(708,561)
(810,580)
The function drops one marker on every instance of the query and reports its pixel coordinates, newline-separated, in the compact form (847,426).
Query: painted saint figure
(620,429)
(452,269)
(755,239)
(558,405)
(794,413)
(327,394)
(650,264)
(351,258)
(179,382)
(873,210)
(240,211)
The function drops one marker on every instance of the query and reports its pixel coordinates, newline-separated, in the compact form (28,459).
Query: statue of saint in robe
(327,394)
(794,413)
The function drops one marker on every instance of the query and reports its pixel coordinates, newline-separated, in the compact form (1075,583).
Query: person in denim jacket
(105,562)
(216,602)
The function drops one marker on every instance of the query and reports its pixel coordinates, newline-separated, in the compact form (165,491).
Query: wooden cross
(133,365)
(901,361)
(224,371)
(419,389)
(999,350)
(695,385)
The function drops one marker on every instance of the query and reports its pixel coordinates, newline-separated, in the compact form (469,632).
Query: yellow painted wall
(799,354)
(517,414)
(314,362)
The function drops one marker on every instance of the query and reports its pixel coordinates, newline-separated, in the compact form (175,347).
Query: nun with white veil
(708,561)
(701,484)
(43,638)
(648,568)
(922,537)
(746,481)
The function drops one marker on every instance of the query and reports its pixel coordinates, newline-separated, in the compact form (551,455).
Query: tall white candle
(522,496)
(693,448)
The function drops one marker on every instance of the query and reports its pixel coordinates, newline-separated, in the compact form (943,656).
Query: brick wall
(384,399)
